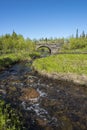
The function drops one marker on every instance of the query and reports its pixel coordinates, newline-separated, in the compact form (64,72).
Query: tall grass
(63,63)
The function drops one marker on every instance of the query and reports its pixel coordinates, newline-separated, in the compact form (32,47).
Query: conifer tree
(77,33)
(83,34)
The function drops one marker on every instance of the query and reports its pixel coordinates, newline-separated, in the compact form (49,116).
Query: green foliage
(62,63)
(9,120)
(76,44)
(15,43)
(8,59)
(35,54)
(14,48)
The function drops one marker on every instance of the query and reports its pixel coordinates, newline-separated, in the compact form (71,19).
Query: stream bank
(46,103)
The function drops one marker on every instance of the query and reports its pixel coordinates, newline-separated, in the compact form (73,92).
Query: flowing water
(49,104)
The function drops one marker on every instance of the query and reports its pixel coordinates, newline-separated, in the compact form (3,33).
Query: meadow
(62,63)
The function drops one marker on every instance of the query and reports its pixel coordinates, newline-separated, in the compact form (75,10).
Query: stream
(47,104)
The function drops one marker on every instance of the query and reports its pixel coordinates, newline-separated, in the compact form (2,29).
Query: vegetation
(78,43)
(7,60)
(67,63)
(9,119)
(62,63)
(14,48)
(50,40)
(15,43)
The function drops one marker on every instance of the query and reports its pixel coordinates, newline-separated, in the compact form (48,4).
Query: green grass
(9,120)
(63,63)
(8,59)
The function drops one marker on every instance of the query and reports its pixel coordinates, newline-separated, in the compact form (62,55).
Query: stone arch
(42,46)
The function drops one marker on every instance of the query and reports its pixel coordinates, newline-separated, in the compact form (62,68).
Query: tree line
(15,43)
(79,42)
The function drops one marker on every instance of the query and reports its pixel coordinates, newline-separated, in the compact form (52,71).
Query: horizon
(71,36)
(37,19)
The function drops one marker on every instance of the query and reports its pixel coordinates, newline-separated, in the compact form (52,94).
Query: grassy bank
(62,63)
(8,59)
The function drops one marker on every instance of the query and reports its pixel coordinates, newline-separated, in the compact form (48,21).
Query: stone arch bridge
(52,47)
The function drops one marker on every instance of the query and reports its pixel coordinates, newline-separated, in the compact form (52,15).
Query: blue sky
(43,18)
